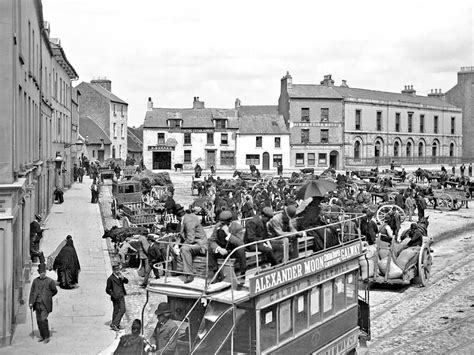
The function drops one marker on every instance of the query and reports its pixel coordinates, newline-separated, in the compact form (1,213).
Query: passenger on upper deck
(283,223)
(256,230)
(195,242)
(226,236)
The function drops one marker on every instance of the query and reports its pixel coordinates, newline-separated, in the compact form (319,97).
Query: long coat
(115,287)
(47,289)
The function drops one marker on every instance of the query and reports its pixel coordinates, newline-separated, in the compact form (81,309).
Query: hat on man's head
(42,267)
(163,308)
(179,210)
(290,211)
(38,217)
(151,237)
(225,216)
(268,212)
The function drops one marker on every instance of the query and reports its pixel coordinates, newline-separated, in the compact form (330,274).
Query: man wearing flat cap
(42,292)
(284,223)
(226,236)
(116,290)
(165,330)
(155,256)
(256,230)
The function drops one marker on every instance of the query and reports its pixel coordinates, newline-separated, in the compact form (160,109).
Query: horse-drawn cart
(449,199)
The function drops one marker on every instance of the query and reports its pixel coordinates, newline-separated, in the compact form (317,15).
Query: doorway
(333,159)
(210,158)
(100,155)
(161,160)
(266,161)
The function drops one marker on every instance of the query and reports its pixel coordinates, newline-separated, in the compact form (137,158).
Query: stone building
(368,127)
(97,142)
(314,117)
(262,139)
(108,111)
(29,98)
(462,95)
(135,143)
(189,135)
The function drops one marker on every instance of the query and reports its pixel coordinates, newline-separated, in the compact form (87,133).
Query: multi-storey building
(262,139)
(27,158)
(186,136)
(97,142)
(314,116)
(462,96)
(108,111)
(369,127)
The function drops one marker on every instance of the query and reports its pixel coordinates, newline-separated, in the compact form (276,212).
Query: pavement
(79,323)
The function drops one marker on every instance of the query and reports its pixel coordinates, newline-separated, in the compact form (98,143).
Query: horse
(178,166)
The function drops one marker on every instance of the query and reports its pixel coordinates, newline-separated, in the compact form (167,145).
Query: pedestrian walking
(80,174)
(143,255)
(421,206)
(42,292)
(155,256)
(469,169)
(132,344)
(94,192)
(462,169)
(36,234)
(453,169)
(116,290)
(164,338)
(67,266)
(280,168)
(75,171)
(59,195)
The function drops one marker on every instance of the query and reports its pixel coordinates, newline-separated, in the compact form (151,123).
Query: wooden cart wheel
(444,202)
(385,209)
(425,261)
(457,204)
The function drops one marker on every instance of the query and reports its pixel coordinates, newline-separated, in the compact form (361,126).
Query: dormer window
(222,124)
(174,123)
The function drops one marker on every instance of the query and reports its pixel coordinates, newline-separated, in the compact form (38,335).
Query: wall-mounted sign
(154,148)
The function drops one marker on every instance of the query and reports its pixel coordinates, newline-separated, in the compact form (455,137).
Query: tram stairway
(218,329)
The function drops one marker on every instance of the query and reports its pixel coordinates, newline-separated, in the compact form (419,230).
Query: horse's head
(237,173)
(424,222)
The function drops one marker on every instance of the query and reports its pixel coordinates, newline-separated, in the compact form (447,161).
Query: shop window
(277,158)
(299,159)
(252,159)
(322,159)
(227,157)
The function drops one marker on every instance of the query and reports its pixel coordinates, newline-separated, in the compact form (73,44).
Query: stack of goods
(386,261)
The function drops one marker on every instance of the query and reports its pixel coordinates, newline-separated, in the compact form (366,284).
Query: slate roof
(106,93)
(137,132)
(365,94)
(134,144)
(191,118)
(88,128)
(258,110)
(263,124)
(307,91)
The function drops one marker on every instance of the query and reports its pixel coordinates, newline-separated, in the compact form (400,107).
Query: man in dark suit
(41,300)
(116,289)
(256,230)
(154,256)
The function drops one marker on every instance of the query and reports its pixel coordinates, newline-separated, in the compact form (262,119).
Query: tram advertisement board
(302,268)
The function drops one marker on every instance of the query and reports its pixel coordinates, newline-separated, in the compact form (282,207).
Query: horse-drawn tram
(310,304)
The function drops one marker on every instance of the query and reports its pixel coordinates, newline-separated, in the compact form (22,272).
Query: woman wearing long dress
(67,266)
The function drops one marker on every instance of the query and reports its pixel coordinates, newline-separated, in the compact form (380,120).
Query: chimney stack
(344,84)
(197,104)
(149,105)
(408,90)
(437,94)
(327,81)
(237,103)
(286,81)
(104,82)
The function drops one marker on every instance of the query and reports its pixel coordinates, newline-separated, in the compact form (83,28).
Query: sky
(221,50)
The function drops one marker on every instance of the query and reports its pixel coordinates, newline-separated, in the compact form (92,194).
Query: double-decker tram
(308,305)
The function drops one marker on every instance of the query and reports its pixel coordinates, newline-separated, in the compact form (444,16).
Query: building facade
(341,127)
(314,117)
(108,111)
(189,136)
(262,139)
(462,96)
(27,156)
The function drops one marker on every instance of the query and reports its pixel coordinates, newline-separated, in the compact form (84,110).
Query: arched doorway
(451,150)
(396,149)
(333,161)
(378,149)
(434,149)
(409,146)
(420,149)
(357,150)
(266,161)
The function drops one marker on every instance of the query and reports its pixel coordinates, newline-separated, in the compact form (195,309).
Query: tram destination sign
(302,268)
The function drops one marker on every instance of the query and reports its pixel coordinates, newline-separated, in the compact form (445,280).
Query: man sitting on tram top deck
(283,223)
(195,242)
(227,236)
(256,230)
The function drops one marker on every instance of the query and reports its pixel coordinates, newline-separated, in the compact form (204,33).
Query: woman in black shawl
(67,265)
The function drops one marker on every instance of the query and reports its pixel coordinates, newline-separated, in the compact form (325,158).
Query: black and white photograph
(236,177)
